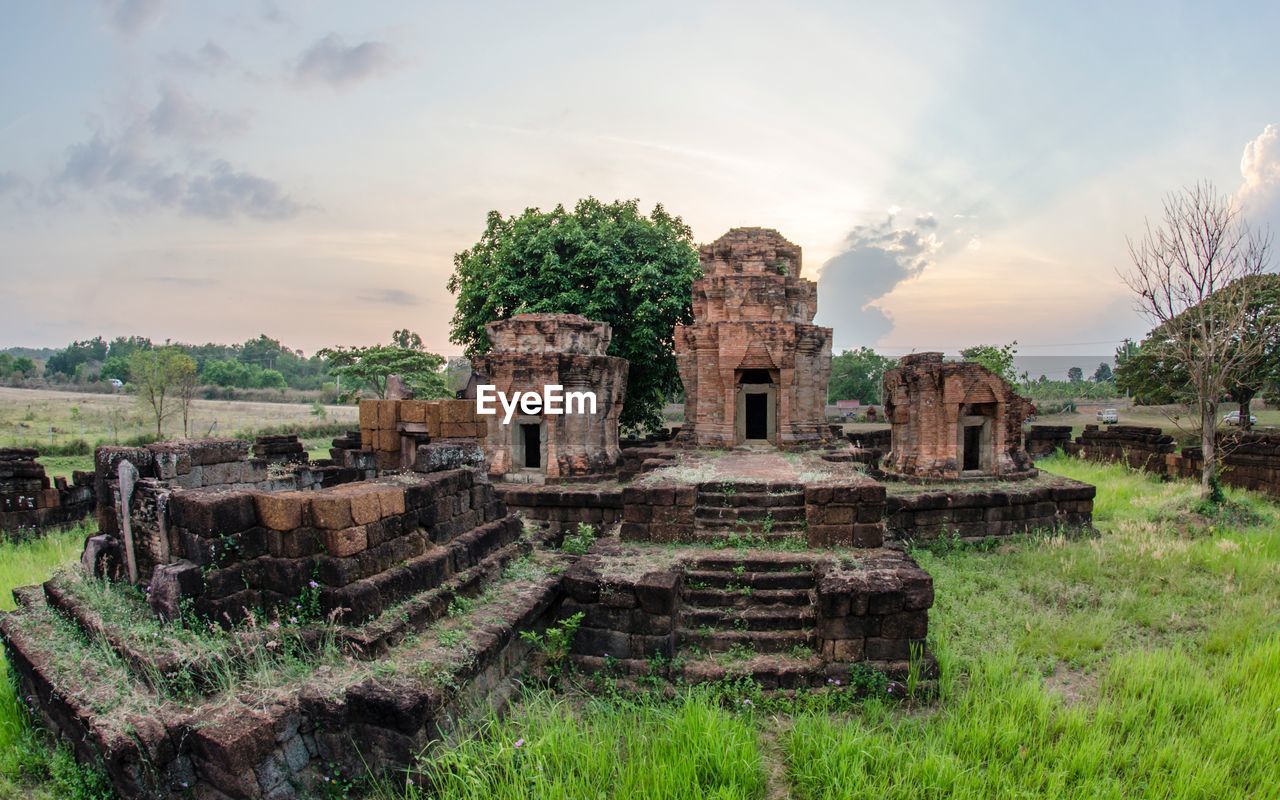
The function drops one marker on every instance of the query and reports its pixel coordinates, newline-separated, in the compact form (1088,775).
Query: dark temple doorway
(972,447)
(757,416)
(532,445)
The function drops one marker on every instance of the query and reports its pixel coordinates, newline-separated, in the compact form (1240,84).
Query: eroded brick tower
(754,366)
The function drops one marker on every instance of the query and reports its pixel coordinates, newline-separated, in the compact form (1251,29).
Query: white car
(1234,419)
(1108,416)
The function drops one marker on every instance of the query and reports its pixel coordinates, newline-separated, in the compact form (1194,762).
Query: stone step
(750,513)
(709,579)
(730,525)
(722,641)
(752,618)
(750,499)
(771,562)
(750,487)
(772,671)
(721,598)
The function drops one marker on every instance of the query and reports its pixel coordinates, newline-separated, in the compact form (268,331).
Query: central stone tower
(754,366)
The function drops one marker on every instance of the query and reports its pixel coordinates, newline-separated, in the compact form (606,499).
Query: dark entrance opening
(757,416)
(973,447)
(755,376)
(532,435)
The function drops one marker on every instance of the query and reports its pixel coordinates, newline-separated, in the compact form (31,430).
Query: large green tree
(858,375)
(1154,374)
(368,368)
(607,262)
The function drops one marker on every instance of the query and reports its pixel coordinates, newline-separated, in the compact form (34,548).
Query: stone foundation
(791,619)
(976,512)
(562,508)
(1045,440)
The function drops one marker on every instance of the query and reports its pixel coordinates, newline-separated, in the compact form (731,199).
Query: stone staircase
(768,510)
(747,605)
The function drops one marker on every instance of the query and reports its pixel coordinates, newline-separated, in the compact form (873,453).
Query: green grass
(29,767)
(1143,661)
(550,749)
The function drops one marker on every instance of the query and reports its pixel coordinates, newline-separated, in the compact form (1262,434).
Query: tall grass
(29,767)
(549,749)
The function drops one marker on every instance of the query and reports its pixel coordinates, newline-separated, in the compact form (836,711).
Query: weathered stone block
(346,542)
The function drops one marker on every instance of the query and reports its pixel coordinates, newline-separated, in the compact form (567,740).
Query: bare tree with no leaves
(1193,267)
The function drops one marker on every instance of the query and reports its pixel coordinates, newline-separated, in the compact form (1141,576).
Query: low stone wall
(658,513)
(844,516)
(159,469)
(979,512)
(1250,459)
(563,507)
(1044,440)
(366,545)
(30,503)
(1138,446)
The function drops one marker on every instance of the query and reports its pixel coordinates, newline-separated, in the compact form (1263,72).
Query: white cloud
(1259,194)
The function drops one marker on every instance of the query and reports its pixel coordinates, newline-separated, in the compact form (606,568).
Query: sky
(955,173)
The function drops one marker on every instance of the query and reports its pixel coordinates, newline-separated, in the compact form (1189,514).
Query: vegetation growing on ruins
(1143,659)
(607,262)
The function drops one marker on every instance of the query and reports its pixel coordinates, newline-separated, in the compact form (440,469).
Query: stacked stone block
(392,429)
(845,515)
(979,513)
(563,508)
(30,502)
(1045,440)
(366,545)
(658,513)
(1140,447)
(876,609)
(280,449)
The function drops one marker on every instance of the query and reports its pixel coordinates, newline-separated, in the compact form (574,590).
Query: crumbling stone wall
(753,334)
(931,404)
(393,429)
(1250,459)
(367,544)
(30,502)
(530,351)
(978,513)
(1045,440)
(1139,446)
(152,473)
(563,508)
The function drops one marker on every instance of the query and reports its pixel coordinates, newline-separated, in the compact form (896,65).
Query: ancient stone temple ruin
(754,366)
(531,351)
(398,577)
(953,420)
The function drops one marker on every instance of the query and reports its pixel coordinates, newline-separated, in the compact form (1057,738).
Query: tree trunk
(1246,397)
(1208,446)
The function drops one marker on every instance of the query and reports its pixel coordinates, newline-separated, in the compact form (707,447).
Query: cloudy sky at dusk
(956,173)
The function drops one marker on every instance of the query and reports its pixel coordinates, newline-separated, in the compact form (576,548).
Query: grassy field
(46,419)
(1140,662)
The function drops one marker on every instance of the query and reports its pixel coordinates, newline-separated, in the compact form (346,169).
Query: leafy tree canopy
(607,262)
(1075,375)
(1103,373)
(858,375)
(1153,375)
(998,359)
(367,368)
(159,376)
